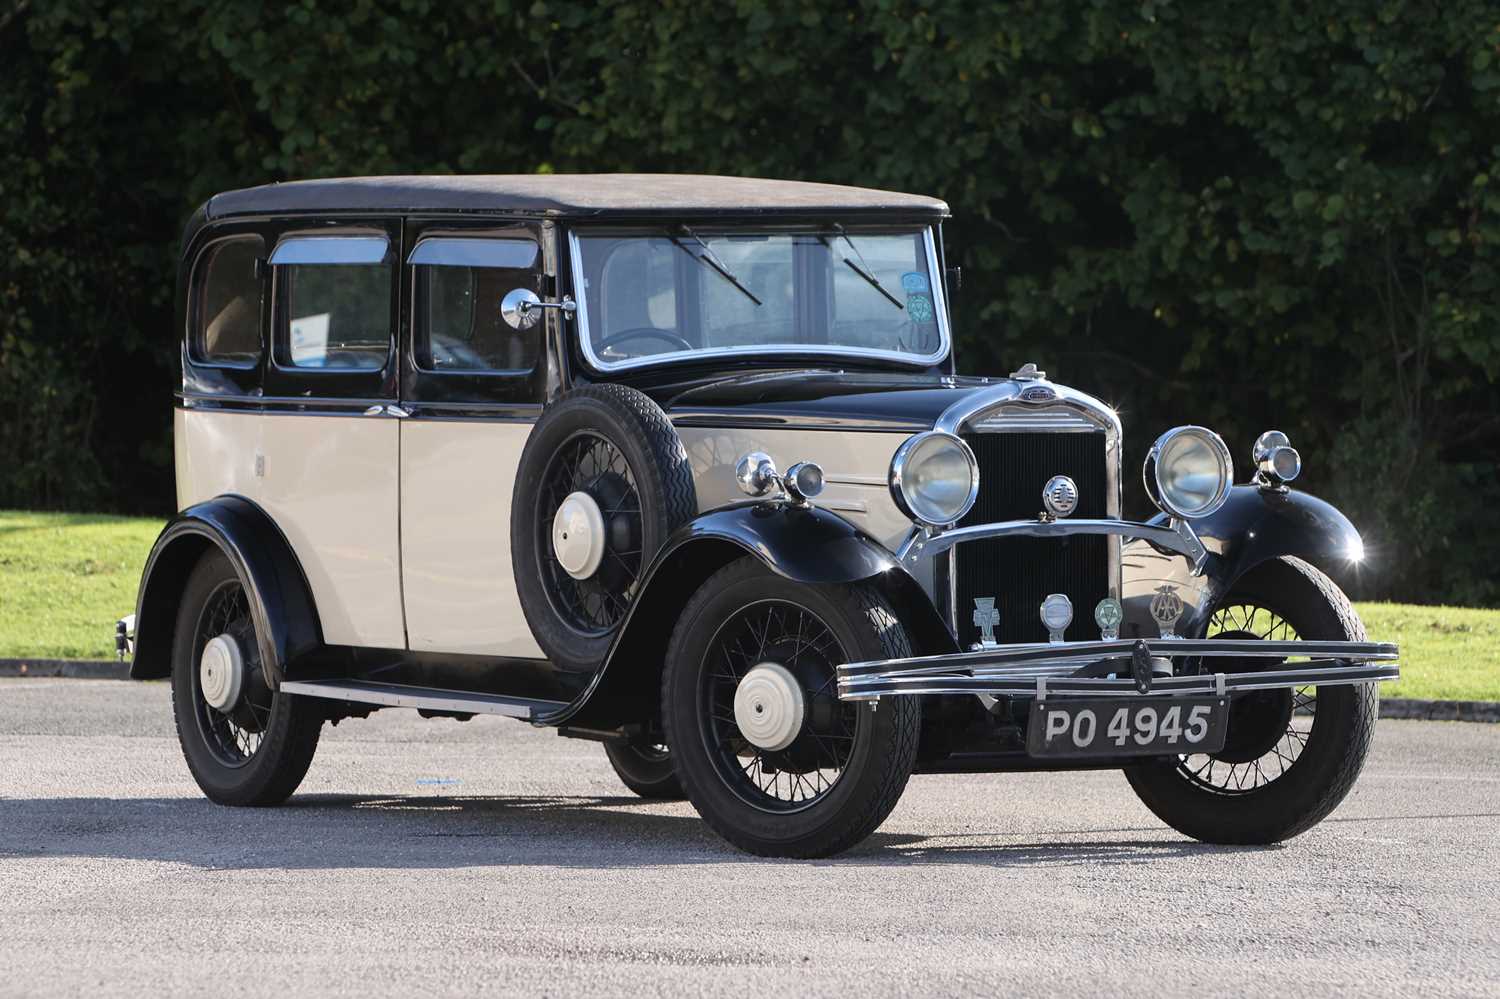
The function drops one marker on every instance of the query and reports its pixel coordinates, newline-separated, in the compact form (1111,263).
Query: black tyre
(645,769)
(255,748)
(846,763)
(1291,755)
(614,448)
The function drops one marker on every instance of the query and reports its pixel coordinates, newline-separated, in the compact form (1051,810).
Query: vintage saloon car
(682,464)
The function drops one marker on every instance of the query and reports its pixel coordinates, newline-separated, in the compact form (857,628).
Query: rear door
(330,438)
(473,387)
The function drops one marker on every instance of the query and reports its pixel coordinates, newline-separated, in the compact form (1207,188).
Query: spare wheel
(603,480)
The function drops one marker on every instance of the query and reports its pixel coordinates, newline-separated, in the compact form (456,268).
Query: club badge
(1107,615)
(1166,608)
(986,619)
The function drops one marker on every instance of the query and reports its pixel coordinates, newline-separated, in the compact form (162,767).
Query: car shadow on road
(322,831)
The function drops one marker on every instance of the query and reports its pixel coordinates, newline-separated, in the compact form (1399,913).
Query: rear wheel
(766,751)
(645,768)
(1290,756)
(244,744)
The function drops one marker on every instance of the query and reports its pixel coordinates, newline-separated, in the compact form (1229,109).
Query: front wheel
(244,744)
(1290,756)
(765,750)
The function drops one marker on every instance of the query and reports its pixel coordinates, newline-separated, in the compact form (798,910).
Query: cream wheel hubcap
(578,535)
(769,707)
(221,672)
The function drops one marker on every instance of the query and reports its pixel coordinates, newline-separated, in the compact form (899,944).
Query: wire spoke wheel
(591,463)
(802,773)
(234,736)
(1268,730)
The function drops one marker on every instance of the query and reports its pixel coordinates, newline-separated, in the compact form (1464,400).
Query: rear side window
(228,303)
(336,293)
(459,285)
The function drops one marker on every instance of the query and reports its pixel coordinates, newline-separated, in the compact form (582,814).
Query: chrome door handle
(387,409)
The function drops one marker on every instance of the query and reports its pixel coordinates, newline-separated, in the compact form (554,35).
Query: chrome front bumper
(1117,668)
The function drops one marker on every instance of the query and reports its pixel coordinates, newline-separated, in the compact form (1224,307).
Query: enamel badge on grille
(1060,496)
(986,618)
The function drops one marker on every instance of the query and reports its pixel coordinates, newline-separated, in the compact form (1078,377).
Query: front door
(473,387)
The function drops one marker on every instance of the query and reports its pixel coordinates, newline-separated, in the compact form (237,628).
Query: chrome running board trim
(396,695)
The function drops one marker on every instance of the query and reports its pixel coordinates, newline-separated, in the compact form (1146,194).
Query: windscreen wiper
(711,259)
(861,268)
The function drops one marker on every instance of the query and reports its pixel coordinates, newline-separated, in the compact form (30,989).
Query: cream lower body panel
(456,483)
(855,466)
(215,452)
(330,484)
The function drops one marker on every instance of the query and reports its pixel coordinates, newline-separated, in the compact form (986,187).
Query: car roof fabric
(568,194)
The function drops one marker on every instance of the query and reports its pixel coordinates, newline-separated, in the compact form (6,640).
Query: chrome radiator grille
(1020,572)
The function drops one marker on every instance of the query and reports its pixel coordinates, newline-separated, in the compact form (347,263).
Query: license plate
(1133,727)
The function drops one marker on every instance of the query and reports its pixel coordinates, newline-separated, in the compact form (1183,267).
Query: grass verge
(65,578)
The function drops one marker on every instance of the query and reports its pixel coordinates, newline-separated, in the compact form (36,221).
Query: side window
(227,303)
(335,293)
(459,285)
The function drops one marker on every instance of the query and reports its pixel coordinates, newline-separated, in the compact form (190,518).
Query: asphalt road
(432,857)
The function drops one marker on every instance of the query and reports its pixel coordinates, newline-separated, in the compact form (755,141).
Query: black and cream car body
(682,464)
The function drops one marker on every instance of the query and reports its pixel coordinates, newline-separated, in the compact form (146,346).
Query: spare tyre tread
(661,459)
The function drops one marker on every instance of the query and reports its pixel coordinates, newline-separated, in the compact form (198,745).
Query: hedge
(1242,215)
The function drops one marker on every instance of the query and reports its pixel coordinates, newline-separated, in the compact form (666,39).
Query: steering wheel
(644,333)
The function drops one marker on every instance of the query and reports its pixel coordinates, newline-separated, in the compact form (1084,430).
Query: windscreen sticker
(914,281)
(919,307)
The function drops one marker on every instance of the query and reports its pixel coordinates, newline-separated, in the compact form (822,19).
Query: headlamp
(934,478)
(1188,472)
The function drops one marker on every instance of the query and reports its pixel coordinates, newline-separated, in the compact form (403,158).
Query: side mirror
(522,309)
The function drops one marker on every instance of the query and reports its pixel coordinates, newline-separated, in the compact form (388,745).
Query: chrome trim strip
(935,281)
(1030,668)
(301,405)
(1316,675)
(1041,421)
(1072,653)
(977,404)
(727,418)
(1178,537)
(300,400)
(425,698)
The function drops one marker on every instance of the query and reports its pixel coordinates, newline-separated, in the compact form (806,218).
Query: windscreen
(671,294)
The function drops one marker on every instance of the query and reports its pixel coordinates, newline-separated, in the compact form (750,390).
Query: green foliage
(1248,215)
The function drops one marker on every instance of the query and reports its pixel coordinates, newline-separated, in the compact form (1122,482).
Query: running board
(399,695)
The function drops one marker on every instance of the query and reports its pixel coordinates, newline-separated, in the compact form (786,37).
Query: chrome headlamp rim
(898,476)
(1151,472)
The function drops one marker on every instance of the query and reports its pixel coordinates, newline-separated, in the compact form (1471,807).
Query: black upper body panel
(836,390)
(803,397)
